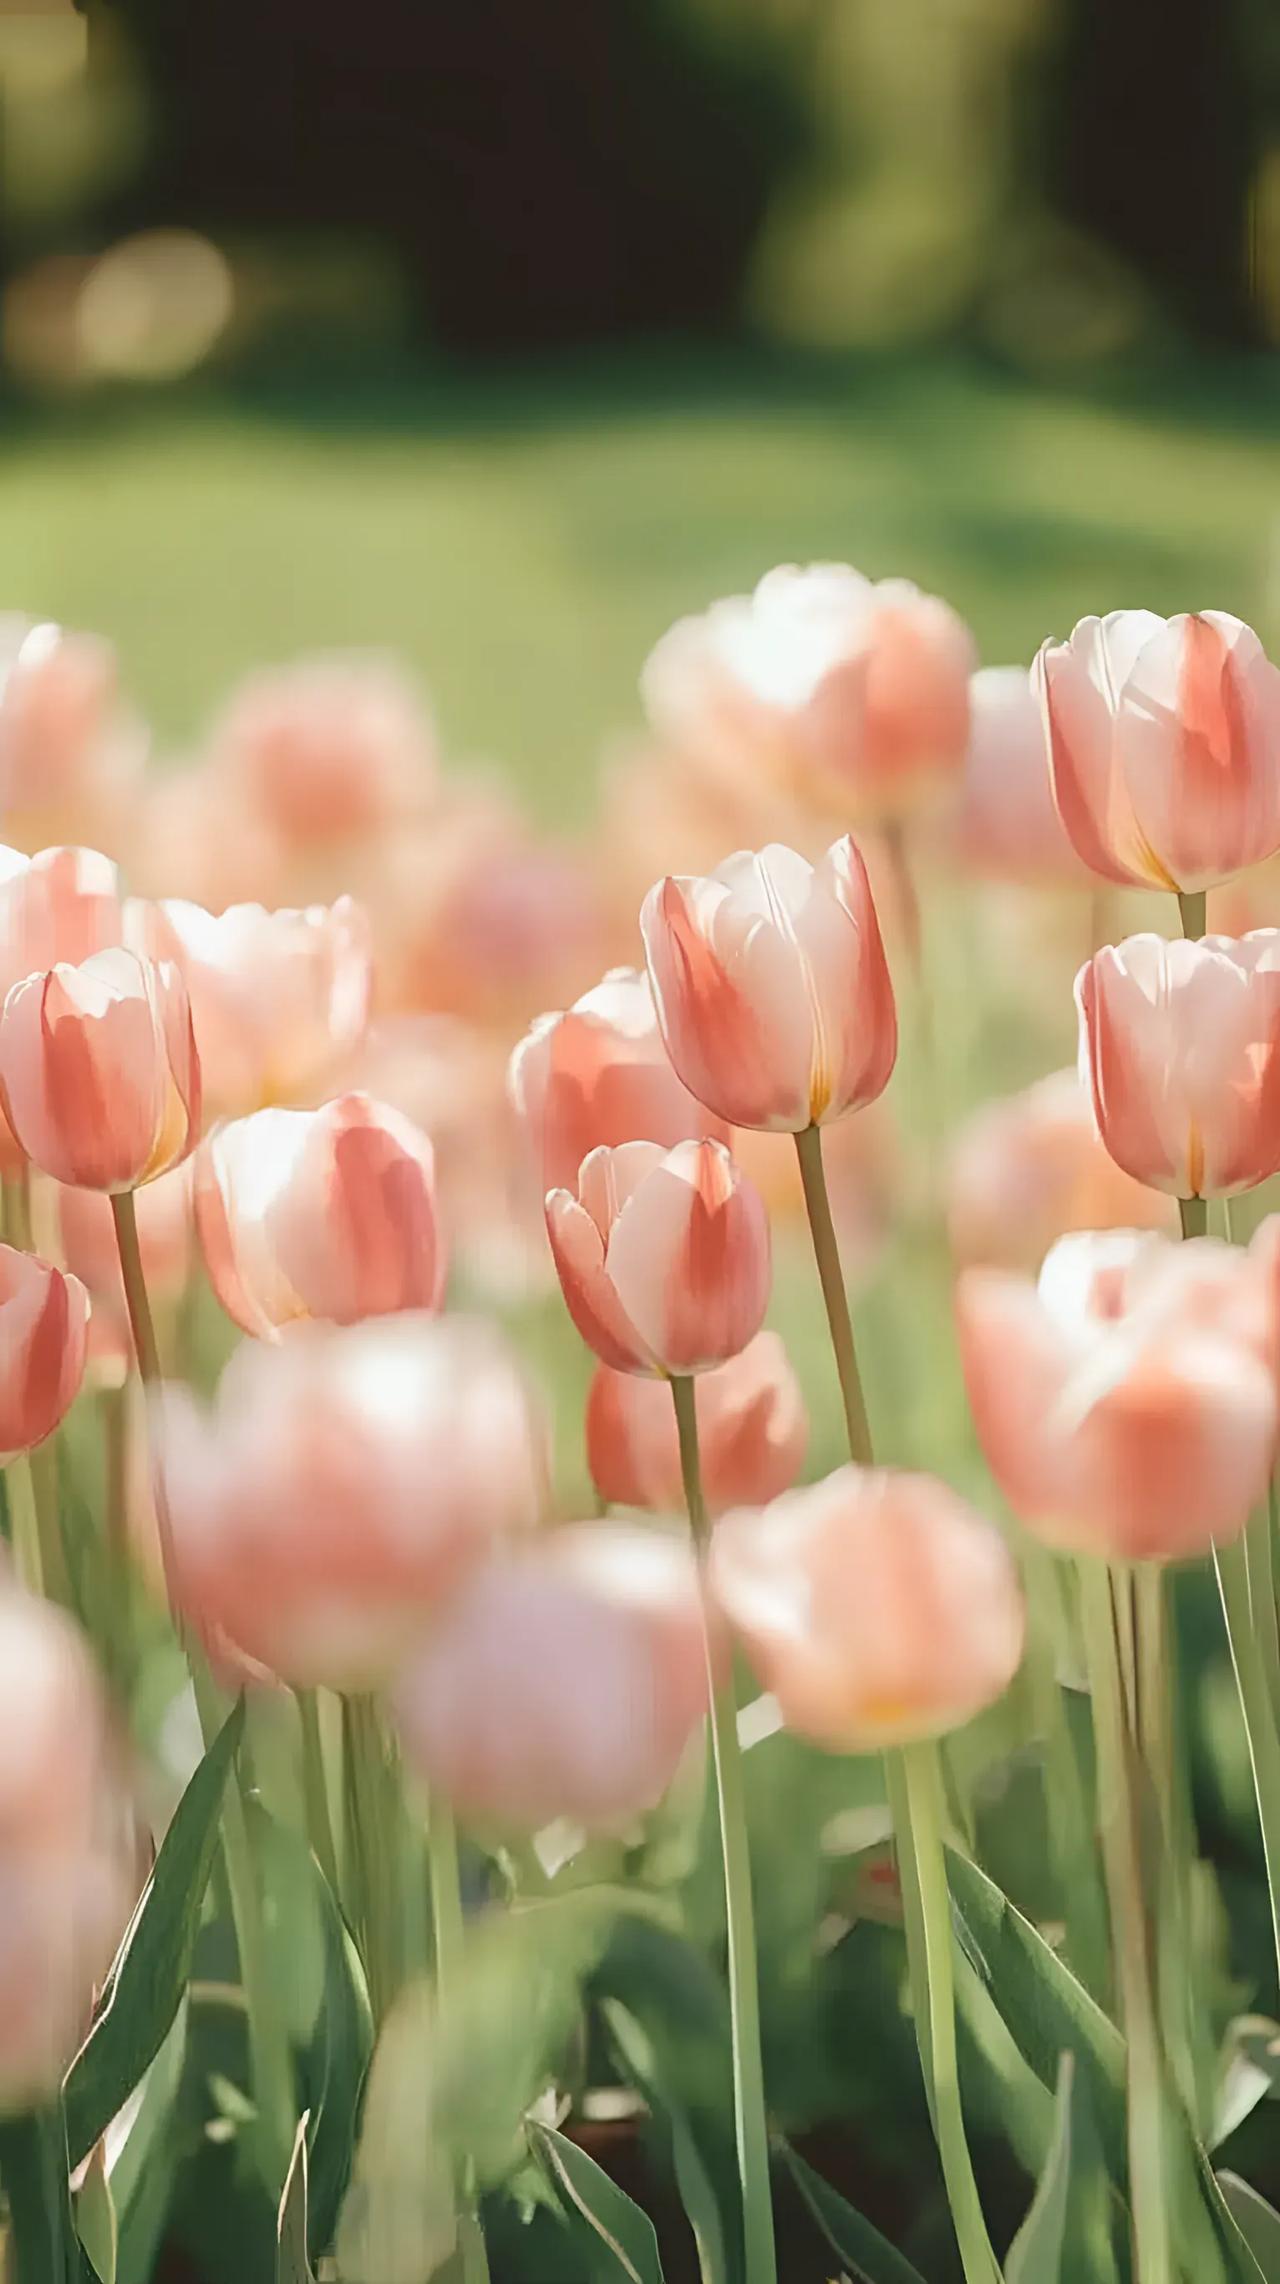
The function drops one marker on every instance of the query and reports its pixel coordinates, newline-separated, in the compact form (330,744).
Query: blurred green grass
(523,538)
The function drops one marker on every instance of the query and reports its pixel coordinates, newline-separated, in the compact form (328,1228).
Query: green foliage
(587,2193)
(871,2257)
(1036,2254)
(293,2264)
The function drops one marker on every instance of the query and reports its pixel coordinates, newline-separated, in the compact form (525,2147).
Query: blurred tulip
(327,1214)
(1180,1046)
(197,840)
(598,1075)
(772,988)
(87,1232)
(44,1329)
(1126,1404)
(328,750)
(1006,825)
(99,1073)
(752,1433)
(843,690)
(341,1486)
(663,1256)
(63,904)
(1026,1171)
(1164,746)
(565,1680)
(277,998)
(877,1607)
(71,755)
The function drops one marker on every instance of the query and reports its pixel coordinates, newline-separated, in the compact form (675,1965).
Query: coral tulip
(63,904)
(1006,824)
(1180,1046)
(837,687)
(71,755)
(772,987)
(1031,1168)
(877,1607)
(319,1214)
(44,1331)
(1164,745)
(327,750)
(342,1485)
(663,1256)
(752,1432)
(1126,1404)
(599,1074)
(87,1230)
(565,1680)
(99,1073)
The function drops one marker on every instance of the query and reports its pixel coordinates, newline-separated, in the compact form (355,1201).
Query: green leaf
(585,2191)
(870,2256)
(1035,2256)
(96,2217)
(641,2063)
(293,2264)
(1234,2241)
(1250,2071)
(1257,2222)
(153,1963)
(143,2173)
(42,2245)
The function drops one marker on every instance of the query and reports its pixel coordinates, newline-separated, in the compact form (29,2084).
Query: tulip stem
(24,1525)
(1194,1216)
(315,1788)
(750,2121)
(1193,909)
(448,1931)
(831,1278)
(370,1850)
(1232,1566)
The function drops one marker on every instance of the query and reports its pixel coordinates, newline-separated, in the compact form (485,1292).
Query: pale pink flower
(44,1327)
(71,754)
(753,1430)
(1005,824)
(327,751)
(1032,1167)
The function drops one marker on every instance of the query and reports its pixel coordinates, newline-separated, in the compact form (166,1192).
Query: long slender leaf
(1257,2221)
(1036,2254)
(153,1963)
(43,2247)
(870,2256)
(96,2218)
(584,2190)
(143,2174)
(697,2195)
(293,2264)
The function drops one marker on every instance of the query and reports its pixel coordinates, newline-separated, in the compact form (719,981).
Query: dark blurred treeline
(583,168)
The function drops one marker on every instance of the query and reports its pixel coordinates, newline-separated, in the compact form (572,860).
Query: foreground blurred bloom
(663,1256)
(1164,744)
(341,1485)
(1030,1169)
(1180,1046)
(831,683)
(277,998)
(877,1607)
(772,987)
(565,1680)
(599,1074)
(71,755)
(319,1213)
(752,1432)
(65,1875)
(1006,824)
(87,1230)
(99,1073)
(1126,1404)
(44,1331)
(327,750)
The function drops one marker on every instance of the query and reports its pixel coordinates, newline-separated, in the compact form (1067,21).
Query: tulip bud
(663,1256)
(1180,1047)
(772,987)
(342,1485)
(752,1432)
(565,1680)
(1029,1169)
(44,1331)
(99,1073)
(1126,1403)
(319,1214)
(1006,825)
(877,1607)
(1164,746)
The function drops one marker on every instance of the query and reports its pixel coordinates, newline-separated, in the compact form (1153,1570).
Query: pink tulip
(835,687)
(87,1231)
(1126,1404)
(752,1432)
(1164,746)
(277,998)
(598,1075)
(877,1607)
(1180,1046)
(772,988)
(99,1073)
(63,904)
(327,1214)
(1026,1171)
(44,1327)
(341,1487)
(663,1256)
(71,755)
(563,1681)
(327,750)
(1006,824)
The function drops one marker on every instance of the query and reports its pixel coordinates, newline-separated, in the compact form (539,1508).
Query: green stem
(24,1526)
(315,1788)
(1067,1818)
(1259,1546)
(1194,1216)
(831,1278)
(370,1856)
(1231,1565)
(1159,1756)
(750,2122)
(1192,909)
(448,1928)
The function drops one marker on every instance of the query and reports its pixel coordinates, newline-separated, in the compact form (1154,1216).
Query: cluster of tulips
(363,1514)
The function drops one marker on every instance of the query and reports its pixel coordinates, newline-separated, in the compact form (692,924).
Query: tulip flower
(599,1074)
(1031,1168)
(1006,825)
(44,1330)
(663,1256)
(1164,746)
(1126,1403)
(89,1246)
(772,988)
(877,1607)
(565,1680)
(319,1214)
(752,1432)
(63,904)
(327,751)
(71,755)
(834,686)
(99,1074)
(340,1488)
(1180,1046)
(277,998)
